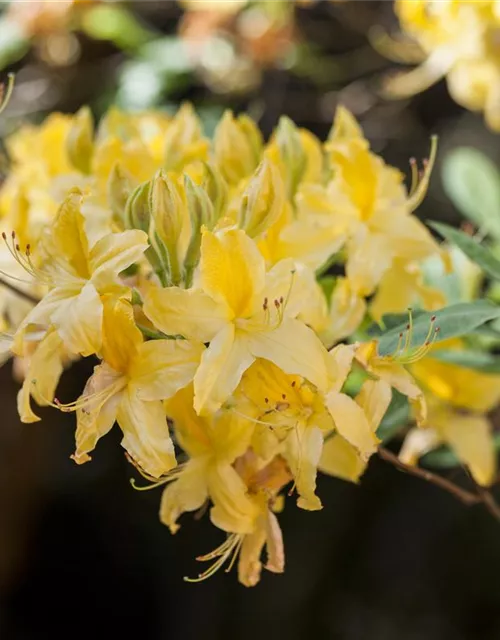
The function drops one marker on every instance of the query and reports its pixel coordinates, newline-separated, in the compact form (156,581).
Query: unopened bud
(292,154)
(119,187)
(184,141)
(80,143)
(168,209)
(263,200)
(137,212)
(238,146)
(216,189)
(201,213)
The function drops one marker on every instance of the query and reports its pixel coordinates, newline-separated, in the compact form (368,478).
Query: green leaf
(327,284)
(390,321)
(116,24)
(455,320)
(397,416)
(472,182)
(482,256)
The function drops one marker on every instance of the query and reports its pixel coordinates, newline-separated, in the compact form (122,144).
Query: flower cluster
(191,268)
(454,38)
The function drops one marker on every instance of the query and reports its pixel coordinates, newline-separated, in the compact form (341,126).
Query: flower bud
(118,191)
(216,189)
(168,209)
(137,212)
(80,143)
(292,154)
(201,213)
(238,146)
(184,141)
(263,200)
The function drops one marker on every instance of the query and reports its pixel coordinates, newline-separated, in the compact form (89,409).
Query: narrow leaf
(482,256)
(455,320)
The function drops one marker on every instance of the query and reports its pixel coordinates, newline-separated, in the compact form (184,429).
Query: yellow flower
(291,412)
(391,369)
(458,399)
(129,386)
(263,481)
(371,197)
(457,41)
(77,276)
(44,370)
(244,312)
(340,458)
(212,444)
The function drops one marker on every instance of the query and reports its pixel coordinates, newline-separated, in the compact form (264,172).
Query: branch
(19,292)
(489,501)
(466,497)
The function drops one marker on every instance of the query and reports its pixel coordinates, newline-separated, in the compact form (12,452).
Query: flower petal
(162,367)
(352,423)
(187,493)
(302,452)
(45,369)
(232,270)
(233,511)
(294,348)
(115,252)
(189,313)
(220,370)
(145,434)
(79,322)
(341,460)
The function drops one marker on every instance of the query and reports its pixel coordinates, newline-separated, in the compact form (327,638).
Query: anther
(277,304)
(266,400)
(283,396)
(293,383)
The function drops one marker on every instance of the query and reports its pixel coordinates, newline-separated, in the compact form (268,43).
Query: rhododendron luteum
(453,39)
(188,268)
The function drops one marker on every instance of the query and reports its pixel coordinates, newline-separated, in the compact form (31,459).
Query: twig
(489,501)
(466,497)
(19,292)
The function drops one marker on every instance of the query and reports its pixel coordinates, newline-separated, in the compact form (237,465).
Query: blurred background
(83,554)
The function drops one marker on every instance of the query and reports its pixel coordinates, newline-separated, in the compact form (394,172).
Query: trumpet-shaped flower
(212,444)
(244,313)
(458,399)
(129,386)
(77,276)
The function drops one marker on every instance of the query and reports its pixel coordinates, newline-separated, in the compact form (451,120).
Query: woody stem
(467,497)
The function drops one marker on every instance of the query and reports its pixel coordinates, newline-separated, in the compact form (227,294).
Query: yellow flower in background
(129,386)
(458,399)
(244,312)
(458,41)
(77,276)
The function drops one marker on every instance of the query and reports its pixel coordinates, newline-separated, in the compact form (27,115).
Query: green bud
(292,154)
(216,189)
(201,213)
(238,146)
(263,200)
(80,142)
(168,214)
(118,189)
(137,211)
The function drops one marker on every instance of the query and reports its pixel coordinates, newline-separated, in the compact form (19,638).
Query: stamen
(172,475)
(418,194)
(228,550)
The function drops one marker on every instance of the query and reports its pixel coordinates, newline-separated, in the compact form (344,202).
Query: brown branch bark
(466,497)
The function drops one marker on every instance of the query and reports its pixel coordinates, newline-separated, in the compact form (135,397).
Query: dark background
(83,555)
